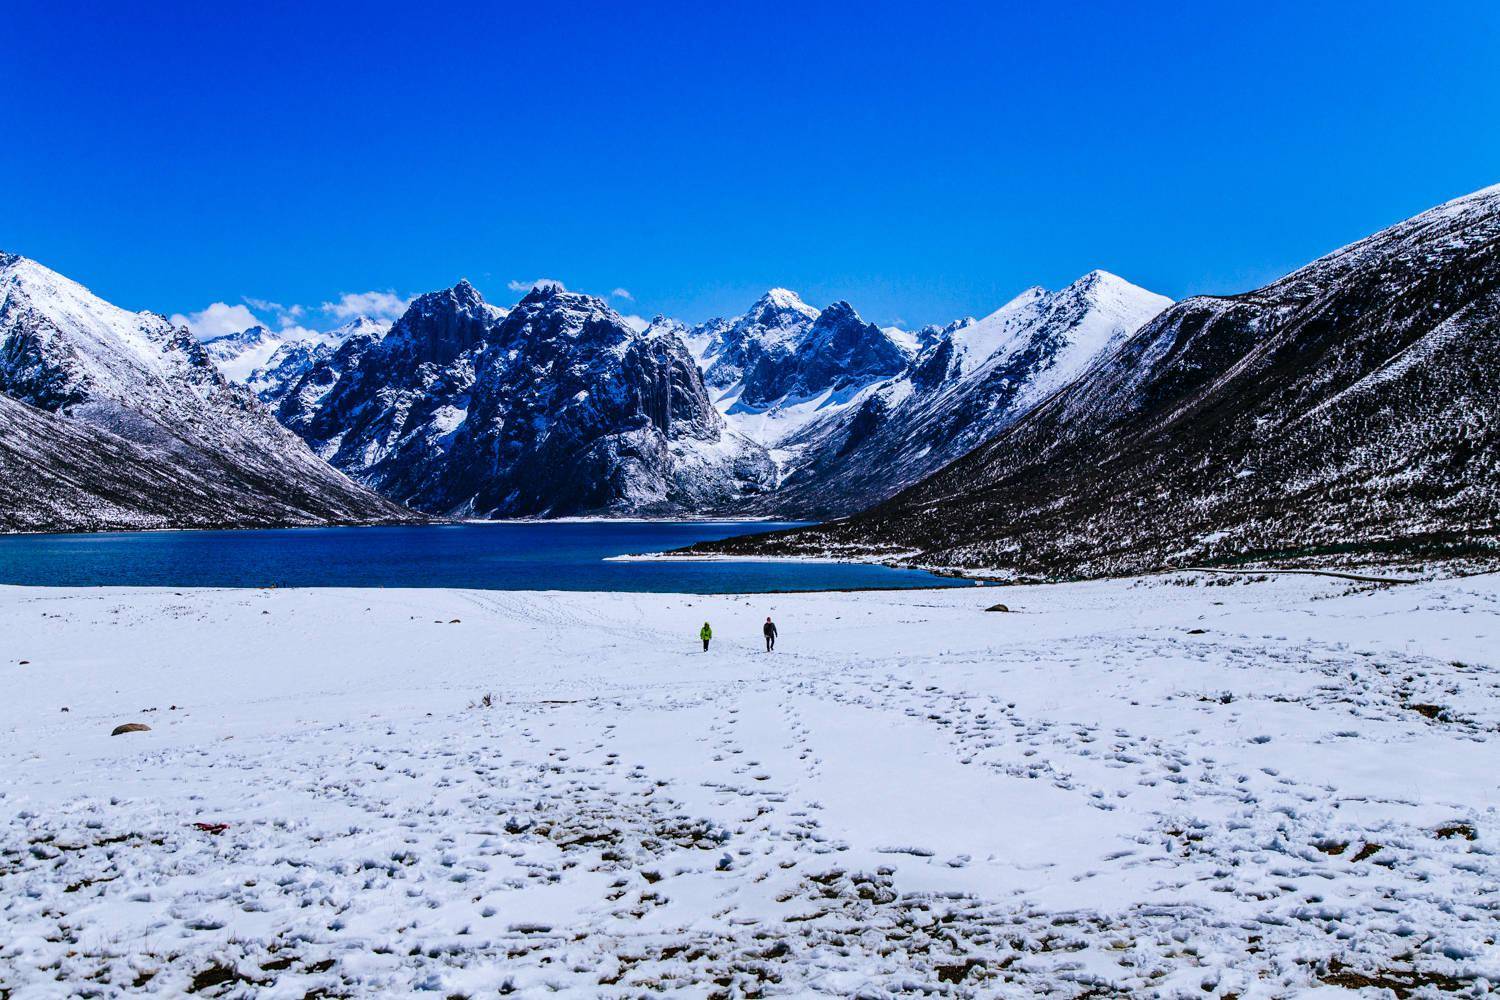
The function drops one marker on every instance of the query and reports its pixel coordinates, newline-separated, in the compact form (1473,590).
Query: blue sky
(923,161)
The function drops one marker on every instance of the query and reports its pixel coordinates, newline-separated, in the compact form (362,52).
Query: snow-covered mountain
(238,354)
(133,376)
(556,407)
(784,363)
(1350,407)
(807,412)
(727,348)
(294,357)
(970,382)
(249,353)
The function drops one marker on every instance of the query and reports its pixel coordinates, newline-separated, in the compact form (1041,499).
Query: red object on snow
(213,828)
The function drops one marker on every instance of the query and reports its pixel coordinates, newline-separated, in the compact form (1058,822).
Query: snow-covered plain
(1171,786)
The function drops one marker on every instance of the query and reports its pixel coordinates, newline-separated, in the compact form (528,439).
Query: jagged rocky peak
(838,350)
(441,325)
(774,324)
(782,347)
(665,325)
(780,308)
(930,334)
(266,360)
(559,406)
(569,312)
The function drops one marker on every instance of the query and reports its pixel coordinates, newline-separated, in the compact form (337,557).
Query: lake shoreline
(557,555)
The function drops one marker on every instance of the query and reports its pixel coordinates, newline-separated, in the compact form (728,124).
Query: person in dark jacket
(705,633)
(769,631)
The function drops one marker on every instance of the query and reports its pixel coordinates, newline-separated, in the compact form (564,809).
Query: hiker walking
(705,633)
(769,631)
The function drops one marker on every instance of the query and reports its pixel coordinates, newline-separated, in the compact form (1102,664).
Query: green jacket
(705,633)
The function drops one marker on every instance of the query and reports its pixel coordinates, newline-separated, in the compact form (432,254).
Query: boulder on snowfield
(131,727)
(997,607)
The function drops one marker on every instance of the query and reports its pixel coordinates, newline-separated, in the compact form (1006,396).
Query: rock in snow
(1350,406)
(115,419)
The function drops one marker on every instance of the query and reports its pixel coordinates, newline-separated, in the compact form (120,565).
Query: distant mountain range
(1350,407)
(1092,430)
(561,407)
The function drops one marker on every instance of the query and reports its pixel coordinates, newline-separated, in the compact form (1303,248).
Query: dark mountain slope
(133,401)
(59,474)
(556,407)
(1349,408)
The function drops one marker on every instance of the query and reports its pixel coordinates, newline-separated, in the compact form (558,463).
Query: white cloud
(526,286)
(376,305)
(636,323)
(291,331)
(623,293)
(286,316)
(216,320)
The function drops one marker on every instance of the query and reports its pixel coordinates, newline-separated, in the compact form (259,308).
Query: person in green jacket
(705,633)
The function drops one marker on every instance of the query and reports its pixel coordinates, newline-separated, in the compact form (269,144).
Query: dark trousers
(770,643)
(705,645)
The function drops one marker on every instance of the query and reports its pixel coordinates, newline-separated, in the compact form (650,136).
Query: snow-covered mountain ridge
(555,407)
(779,411)
(136,379)
(972,381)
(1350,407)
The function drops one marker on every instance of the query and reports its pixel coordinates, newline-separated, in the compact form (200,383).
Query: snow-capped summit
(295,357)
(255,355)
(64,345)
(778,303)
(783,362)
(837,351)
(238,354)
(727,347)
(359,326)
(136,377)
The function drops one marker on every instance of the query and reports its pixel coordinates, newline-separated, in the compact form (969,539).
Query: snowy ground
(1229,787)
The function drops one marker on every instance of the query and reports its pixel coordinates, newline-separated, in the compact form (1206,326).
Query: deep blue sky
(923,161)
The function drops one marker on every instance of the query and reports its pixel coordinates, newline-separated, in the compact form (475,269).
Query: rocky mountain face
(783,352)
(728,348)
(1349,407)
(809,412)
(112,383)
(970,382)
(556,407)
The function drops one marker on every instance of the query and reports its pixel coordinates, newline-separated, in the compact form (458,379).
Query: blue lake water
(502,556)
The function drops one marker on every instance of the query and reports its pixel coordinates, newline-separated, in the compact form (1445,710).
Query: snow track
(1222,788)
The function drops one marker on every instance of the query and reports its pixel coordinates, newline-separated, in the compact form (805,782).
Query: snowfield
(1186,785)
